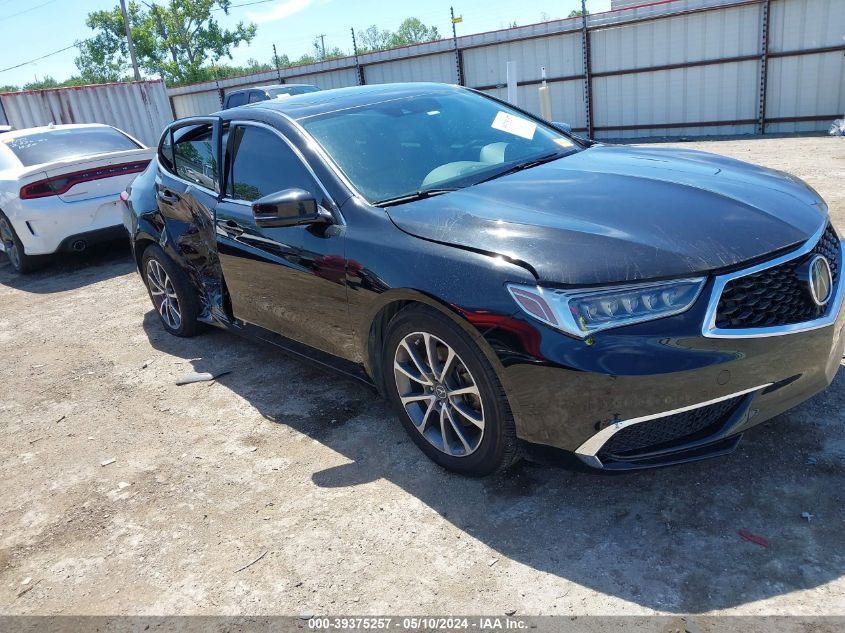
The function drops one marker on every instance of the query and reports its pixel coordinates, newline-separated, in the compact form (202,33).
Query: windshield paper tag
(514,125)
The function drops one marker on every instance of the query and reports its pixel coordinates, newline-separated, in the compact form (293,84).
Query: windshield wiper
(421,194)
(545,158)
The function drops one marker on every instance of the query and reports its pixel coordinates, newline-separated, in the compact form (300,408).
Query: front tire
(21,262)
(171,292)
(447,394)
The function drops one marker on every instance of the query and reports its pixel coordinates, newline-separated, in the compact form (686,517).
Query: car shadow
(69,271)
(665,539)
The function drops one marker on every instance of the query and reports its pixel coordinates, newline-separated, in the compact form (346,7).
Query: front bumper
(580,395)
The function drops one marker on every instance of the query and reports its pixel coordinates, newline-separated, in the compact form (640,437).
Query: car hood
(610,214)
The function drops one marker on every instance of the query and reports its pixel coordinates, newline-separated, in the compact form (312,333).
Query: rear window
(236,99)
(54,145)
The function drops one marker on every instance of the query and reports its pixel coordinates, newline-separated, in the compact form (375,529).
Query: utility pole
(358,70)
(129,40)
(458,65)
(323,43)
(276,60)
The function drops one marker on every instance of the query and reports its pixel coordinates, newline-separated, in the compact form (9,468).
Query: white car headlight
(586,311)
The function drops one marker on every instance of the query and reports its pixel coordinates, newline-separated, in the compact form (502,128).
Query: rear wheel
(171,292)
(13,247)
(447,394)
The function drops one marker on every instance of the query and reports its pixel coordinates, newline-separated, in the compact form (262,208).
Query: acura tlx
(509,287)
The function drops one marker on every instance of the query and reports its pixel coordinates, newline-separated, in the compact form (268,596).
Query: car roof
(316,103)
(27,131)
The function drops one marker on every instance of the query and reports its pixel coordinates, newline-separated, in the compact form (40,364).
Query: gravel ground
(311,476)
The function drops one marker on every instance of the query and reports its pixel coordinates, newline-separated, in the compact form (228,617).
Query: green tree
(318,54)
(255,66)
(374,39)
(577,13)
(173,39)
(104,57)
(9,88)
(304,59)
(48,82)
(413,31)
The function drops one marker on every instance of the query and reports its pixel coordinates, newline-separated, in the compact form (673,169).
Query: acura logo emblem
(819,279)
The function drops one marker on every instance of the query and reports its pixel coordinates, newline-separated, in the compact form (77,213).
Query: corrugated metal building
(667,68)
(672,67)
(624,4)
(139,108)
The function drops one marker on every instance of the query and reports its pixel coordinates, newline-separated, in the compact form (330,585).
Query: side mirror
(291,207)
(563,127)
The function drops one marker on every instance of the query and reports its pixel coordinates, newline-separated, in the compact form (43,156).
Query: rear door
(187,185)
(290,280)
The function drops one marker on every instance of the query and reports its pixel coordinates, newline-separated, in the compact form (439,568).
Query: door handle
(167,196)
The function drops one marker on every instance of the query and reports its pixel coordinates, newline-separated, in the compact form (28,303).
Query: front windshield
(397,148)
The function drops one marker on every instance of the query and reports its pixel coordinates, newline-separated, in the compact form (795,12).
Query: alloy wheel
(439,394)
(9,245)
(164,295)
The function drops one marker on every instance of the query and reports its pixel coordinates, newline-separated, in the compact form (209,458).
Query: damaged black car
(510,288)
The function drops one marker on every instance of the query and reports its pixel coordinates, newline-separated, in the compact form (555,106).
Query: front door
(290,280)
(187,191)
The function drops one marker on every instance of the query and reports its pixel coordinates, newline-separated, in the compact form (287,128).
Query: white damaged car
(60,188)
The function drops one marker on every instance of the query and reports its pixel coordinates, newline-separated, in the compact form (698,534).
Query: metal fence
(668,68)
(140,108)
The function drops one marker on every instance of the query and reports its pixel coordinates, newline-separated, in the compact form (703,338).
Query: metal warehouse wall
(139,108)
(666,68)
(802,87)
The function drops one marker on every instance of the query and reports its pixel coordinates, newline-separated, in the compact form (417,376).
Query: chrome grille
(776,296)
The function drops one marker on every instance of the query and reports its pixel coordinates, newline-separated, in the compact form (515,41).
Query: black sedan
(510,288)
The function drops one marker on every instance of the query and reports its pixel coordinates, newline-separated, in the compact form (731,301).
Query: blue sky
(32,28)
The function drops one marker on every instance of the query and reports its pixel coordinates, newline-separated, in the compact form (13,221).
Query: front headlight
(590,310)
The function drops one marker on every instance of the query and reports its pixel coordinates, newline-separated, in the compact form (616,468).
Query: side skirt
(321,359)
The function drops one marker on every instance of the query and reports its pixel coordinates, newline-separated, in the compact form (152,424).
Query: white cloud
(280,11)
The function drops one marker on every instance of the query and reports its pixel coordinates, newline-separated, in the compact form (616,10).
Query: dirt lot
(313,474)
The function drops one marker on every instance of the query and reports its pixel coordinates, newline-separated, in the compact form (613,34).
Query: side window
(263,164)
(236,99)
(165,151)
(256,95)
(194,156)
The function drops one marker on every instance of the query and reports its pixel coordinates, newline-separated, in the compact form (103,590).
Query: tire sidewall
(184,291)
(490,454)
(22,265)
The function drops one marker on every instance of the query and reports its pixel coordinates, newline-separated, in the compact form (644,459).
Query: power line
(37,6)
(61,50)
(75,44)
(244,4)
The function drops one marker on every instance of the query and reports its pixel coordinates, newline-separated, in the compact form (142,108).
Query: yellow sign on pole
(457,19)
